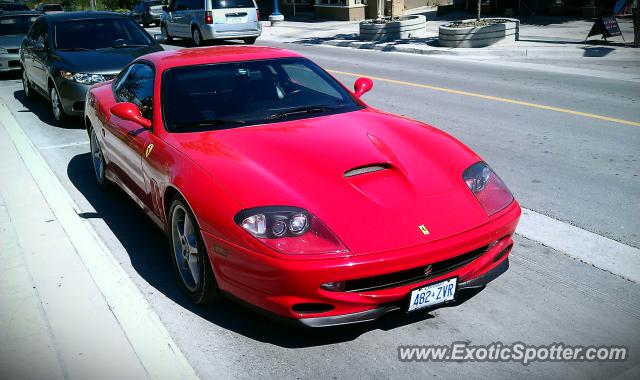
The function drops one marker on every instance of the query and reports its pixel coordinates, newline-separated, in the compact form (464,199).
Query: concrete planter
(404,27)
(479,36)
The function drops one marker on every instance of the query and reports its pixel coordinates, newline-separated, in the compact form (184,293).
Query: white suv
(203,20)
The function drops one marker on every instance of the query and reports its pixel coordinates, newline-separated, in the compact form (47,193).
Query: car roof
(167,59)
(54,17)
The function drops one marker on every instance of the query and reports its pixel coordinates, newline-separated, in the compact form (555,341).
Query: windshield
(228,95)
(99,34)
(16,25)
(52,8)
(222,4)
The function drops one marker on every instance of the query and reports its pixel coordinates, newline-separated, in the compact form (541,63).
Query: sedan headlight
(83,78)
(3,51)
(487,187)
(289,230)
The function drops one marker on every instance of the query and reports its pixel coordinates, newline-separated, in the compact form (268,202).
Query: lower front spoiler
(373,314)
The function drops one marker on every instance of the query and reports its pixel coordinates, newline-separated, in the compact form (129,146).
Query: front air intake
(365,169)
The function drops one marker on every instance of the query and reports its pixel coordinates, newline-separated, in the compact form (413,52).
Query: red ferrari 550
(280,187)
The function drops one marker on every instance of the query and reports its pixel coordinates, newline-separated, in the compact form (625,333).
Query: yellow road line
(495,98)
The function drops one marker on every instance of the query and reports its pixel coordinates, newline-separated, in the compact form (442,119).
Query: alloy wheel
(185,248)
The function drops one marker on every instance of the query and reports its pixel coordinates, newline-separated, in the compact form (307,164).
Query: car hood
(11,42)
(103,61)
(309,163)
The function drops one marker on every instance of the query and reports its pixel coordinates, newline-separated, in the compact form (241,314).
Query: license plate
(235,20)
(433,294)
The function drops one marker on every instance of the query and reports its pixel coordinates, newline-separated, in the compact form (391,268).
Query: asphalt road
(578,169)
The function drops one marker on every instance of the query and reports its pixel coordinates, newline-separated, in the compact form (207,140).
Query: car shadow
(148,251)
(39,106)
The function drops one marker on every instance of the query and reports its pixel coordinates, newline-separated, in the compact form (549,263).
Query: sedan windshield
(228,95)
(99,34)
(15,25)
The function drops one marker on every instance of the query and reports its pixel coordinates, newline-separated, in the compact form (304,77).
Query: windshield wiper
(299,110)
(127,46)
(73,49)
(208,123)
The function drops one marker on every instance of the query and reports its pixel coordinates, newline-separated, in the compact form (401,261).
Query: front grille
(13,51)
(414,275)
(108,77)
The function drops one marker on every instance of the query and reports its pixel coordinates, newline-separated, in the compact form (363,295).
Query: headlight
(3,51)
(488,188)
(83,78)
(289,230)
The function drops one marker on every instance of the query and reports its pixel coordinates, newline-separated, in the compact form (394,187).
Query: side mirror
(362,86)
(165,8)
(130,112)
(38,46)
(160,38)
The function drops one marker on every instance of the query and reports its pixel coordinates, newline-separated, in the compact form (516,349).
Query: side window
(303,76)
(43,34)
(35,29)
(196,5)
(136,87)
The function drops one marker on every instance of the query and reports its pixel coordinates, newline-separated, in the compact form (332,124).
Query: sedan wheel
(97,158)
(56,106)
(190,258)
(26,86)
(197,37)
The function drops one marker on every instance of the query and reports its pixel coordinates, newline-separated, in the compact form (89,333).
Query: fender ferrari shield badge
(424,229)
(149,149)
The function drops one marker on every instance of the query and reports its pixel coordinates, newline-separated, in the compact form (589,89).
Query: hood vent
(365,169)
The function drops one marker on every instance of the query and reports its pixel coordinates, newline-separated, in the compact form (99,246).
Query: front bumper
(9,62)
(72,96)
(291,288)
(373,314)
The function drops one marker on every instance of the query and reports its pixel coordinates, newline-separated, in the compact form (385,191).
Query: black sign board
(607,26)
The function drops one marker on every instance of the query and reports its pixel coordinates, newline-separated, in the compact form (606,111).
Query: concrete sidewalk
(66,311)
(540,37)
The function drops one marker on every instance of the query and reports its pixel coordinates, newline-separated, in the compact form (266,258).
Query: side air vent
(365,169)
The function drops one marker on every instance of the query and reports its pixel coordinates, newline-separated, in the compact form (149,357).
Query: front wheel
(250,41)
(97,159)
(190,259)
(157,23)
(26,86)
(56,107)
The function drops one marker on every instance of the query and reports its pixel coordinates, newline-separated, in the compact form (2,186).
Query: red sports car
(278,186)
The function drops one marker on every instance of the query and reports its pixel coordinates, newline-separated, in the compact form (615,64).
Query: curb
(156,350)
(560,52)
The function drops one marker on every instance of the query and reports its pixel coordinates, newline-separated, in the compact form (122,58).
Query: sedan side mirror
(362,86)
(160,38)
(130,112)
(38,46)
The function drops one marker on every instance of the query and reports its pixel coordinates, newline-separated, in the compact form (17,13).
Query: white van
(203,20)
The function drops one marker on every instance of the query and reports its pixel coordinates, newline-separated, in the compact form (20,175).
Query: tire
(165,32)
(29,91)
(250,41)
(189,255)
(157,23)
(145,24)
(97,161)
(196,36)
(59,115)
